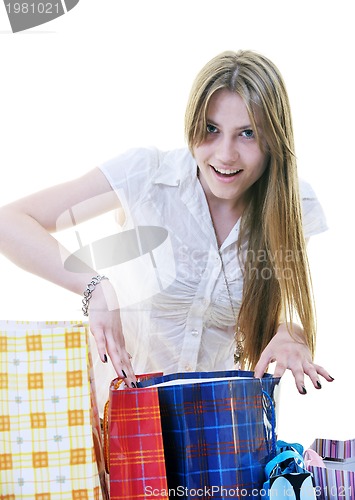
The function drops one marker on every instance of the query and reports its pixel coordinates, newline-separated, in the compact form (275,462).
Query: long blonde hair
(277,283)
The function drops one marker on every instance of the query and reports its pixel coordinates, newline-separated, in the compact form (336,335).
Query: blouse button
(194,333)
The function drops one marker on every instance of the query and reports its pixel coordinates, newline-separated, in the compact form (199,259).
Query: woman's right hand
(106,327)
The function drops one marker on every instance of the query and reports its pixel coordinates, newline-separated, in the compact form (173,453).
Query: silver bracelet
(88,292)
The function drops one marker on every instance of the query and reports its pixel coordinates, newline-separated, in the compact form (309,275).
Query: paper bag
(50,437)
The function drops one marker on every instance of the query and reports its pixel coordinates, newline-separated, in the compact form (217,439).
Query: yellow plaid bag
(50,438)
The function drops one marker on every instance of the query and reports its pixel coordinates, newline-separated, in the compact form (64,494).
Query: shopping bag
(50,436)
(332,463)
(134,451)
(218,431)
(287,476)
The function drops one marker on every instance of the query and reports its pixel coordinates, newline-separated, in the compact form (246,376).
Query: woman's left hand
(293,354)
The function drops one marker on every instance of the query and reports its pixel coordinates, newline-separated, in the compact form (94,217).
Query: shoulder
(142,164)
(306,190)
(314,220)
(130,162)
(175,167)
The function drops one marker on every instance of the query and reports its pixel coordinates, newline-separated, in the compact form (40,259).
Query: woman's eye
(248,133)
(211,129)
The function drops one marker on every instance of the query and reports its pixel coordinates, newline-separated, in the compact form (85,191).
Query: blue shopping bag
(218,432)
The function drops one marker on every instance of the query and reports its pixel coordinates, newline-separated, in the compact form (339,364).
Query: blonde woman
(209,267)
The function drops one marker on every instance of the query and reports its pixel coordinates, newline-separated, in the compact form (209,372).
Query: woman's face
(230,159)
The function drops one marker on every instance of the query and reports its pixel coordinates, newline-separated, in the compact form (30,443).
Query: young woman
(209,266)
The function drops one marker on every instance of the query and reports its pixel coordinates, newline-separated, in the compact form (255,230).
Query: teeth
(226,172)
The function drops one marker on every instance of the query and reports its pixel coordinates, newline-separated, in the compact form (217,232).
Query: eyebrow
(243,127)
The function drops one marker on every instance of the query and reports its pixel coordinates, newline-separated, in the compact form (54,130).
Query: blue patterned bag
(218,432)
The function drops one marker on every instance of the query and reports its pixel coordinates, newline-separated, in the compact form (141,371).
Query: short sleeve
(314,220)
(129,172)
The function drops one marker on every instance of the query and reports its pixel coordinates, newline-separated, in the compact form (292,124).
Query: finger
(127,369)
(261,366)
(324,373)
(120,360)
(298,374)
(313,375)
(123,370)
(100,340)
(280,369)
(314,371)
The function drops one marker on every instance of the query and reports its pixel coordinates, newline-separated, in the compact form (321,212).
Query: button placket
(194,326)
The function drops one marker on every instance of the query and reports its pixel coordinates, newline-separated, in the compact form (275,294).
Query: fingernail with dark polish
(304,390)
(331,377)
(133,385)
(105,358)
(319,385)
(124,374)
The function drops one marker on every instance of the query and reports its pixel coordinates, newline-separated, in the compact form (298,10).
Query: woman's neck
(224,213)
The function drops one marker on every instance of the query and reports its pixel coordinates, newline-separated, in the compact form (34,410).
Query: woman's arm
(291,352)
(25,238)
(26,224)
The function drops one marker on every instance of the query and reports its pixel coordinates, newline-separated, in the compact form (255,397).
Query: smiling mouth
(226,172)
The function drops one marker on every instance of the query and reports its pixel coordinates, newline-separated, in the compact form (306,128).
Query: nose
(227,151)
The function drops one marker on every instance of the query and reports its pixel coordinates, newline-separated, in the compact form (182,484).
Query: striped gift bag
(218,431)
(335,479)
(334,449)
(50,437)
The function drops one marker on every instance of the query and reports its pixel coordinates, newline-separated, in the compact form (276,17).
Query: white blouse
(166,269)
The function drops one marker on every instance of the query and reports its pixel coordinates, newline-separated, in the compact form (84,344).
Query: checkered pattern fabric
(136,453)
(216,434)
(50,439)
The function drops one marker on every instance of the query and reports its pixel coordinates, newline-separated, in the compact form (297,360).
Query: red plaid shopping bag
(134,449)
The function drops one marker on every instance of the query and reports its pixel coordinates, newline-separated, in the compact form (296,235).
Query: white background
(110,75)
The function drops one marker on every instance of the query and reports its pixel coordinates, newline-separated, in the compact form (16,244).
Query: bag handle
(106,440)
(272,453)
(281,457)
(105,430)
(290,446)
